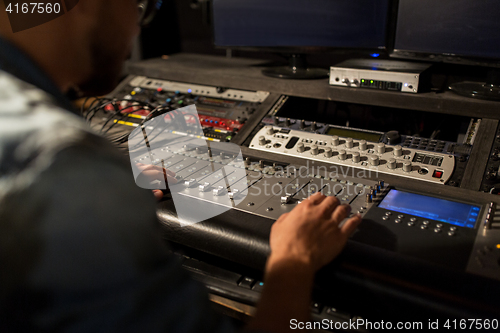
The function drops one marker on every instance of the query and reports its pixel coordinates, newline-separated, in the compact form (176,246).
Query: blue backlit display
(452,212)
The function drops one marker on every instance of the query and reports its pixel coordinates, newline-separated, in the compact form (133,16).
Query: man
(79,246)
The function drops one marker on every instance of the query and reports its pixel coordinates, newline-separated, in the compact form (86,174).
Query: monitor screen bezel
(434,57)
(382,50)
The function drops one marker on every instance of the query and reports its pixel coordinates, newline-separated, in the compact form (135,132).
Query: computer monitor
(299,27)
(453,31)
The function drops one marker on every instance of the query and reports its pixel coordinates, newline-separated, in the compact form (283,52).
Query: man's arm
(302,242)
(101,263)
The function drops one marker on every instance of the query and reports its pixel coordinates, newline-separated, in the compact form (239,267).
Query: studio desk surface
(365,280)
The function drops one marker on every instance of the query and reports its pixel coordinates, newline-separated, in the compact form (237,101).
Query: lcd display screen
(358,135)
(452,212)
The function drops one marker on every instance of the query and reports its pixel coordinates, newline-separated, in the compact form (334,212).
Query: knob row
(398,150)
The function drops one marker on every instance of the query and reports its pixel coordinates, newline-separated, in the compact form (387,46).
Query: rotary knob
(374,160)
(407,166)
(362,145)
(349,143)
(391,163)
(269,130)
(328,152)
(381,148)
(300,147)
(262,140)
(398,150)
(342,155)
(335,140)
(314,150)
(356,157)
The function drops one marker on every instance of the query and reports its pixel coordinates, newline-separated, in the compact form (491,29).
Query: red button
(437,174)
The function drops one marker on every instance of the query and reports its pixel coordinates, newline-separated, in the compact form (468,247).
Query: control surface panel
(375,157)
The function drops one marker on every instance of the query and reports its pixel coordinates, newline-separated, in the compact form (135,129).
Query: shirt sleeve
(99,261)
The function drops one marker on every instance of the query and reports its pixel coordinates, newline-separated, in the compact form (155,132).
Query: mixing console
(218,177)
(222,112)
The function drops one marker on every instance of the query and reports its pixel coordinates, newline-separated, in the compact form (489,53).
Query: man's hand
(310,233)
(154,172)
(302,242)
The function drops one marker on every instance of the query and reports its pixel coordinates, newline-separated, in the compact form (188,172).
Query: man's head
(85,47)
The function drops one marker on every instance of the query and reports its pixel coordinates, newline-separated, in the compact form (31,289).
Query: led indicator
(498,246)
(375,55)
(371,81)
(363,81)
(190,91)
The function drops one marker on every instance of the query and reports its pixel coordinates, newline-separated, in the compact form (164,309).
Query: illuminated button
(437,174)
(423,226)
(439,225)
(453,228)
(425,222)
(451,233)
(397,220)
(413,219)
(388,213)
(385,218)
(437,230)
(411,224)
(400,216)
